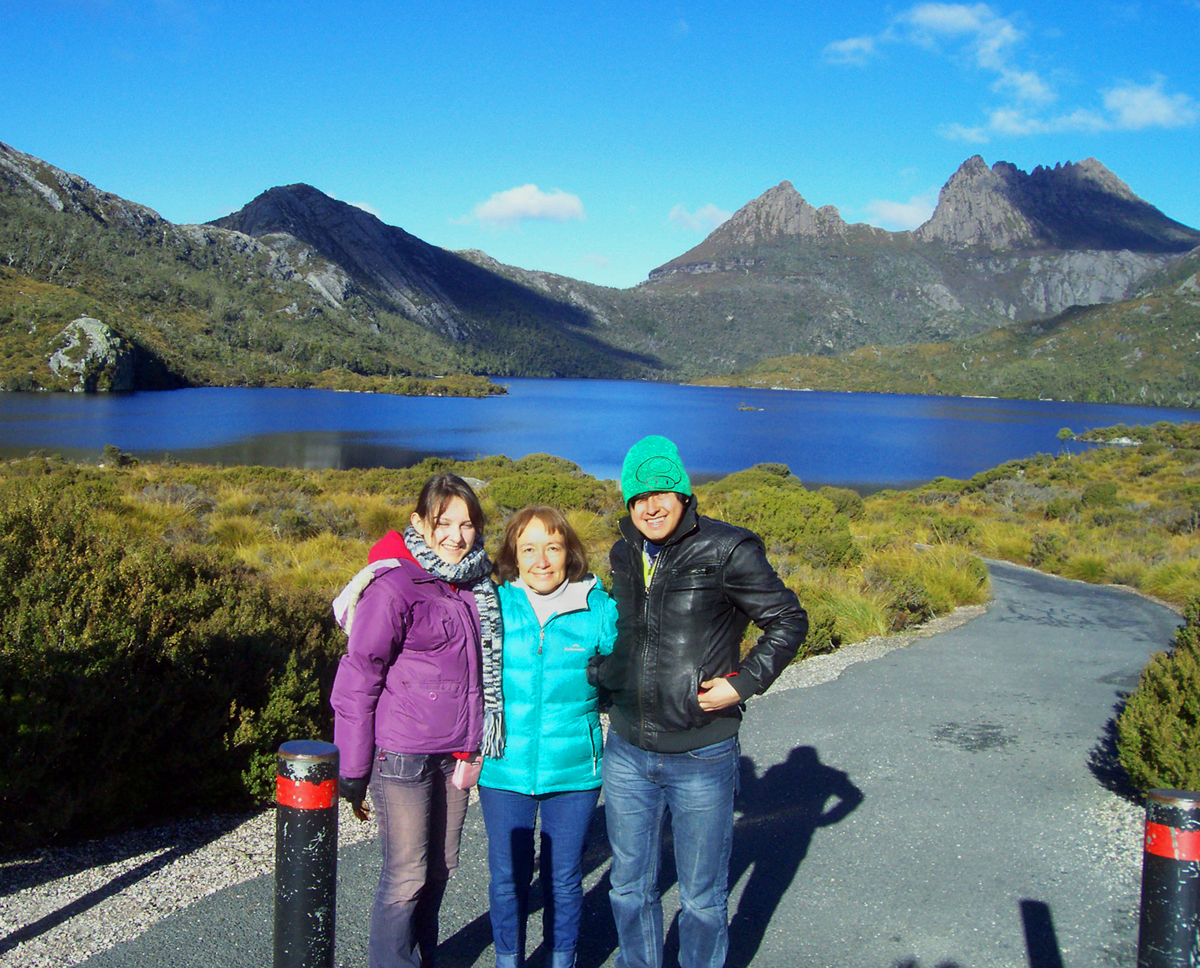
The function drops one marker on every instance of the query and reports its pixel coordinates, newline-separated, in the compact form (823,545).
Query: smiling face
(452,535)
(657,514)
(541,557)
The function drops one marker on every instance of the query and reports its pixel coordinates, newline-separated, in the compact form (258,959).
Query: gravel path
(58,907)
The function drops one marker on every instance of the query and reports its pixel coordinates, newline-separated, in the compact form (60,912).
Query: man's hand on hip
(717,694)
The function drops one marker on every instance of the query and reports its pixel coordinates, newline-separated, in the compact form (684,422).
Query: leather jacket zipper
(646,645)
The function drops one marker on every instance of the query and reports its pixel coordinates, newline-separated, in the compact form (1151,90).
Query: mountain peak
(295,209)
(1068,206)
(777,212)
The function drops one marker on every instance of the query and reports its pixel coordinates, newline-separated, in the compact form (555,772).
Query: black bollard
(1169,936)
(305,854)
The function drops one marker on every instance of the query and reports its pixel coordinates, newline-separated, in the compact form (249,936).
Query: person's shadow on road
(777,816)
(780,811)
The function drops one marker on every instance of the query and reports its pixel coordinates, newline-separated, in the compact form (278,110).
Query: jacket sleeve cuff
(746,685)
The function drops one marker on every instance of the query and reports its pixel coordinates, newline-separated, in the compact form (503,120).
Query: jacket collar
(574,597)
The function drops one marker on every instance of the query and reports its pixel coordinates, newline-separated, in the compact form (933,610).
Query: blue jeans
(509,818)
(420,827)
(698,788)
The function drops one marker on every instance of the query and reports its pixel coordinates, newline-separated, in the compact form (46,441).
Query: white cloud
(1128,108)
(529,202)
(1133,107)
(976,35)
(973,33)
(902,215)
(852,50)
(1025,85)
(367,208)
(594,261)
(704,219)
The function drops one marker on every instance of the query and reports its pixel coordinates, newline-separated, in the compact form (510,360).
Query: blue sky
(595,140)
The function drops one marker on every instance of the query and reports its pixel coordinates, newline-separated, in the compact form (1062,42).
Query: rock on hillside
(93,357)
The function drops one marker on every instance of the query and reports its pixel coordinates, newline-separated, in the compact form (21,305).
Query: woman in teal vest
(556,618)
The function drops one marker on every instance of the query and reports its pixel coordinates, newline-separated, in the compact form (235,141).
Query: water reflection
(312,449)
(866,441)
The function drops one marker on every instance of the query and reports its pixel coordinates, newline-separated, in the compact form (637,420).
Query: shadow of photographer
(780,813)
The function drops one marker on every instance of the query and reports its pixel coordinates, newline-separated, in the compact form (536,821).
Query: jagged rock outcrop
(63,191)
(780,211)
(1071,206)
(93,356)
(778,215)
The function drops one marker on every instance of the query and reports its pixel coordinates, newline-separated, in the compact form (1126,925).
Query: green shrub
(844,501)
(1099,494)
(140,680)
(514,491)
(1062,509)
(1088,567)
(946,528)
(776,507)
(1158,732)
(1048,551)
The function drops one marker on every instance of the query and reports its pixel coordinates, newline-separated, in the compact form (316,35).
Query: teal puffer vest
(552,720)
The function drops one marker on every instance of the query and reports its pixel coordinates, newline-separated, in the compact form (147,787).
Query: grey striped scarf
(473,573)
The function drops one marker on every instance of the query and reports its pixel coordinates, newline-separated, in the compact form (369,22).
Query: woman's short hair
(439,491)
(554,522)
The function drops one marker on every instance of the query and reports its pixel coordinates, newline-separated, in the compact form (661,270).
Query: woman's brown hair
(439,491)
(555,523)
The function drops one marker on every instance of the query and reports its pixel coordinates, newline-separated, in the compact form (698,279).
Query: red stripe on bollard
(304,795)
(1164,841)
(305,854)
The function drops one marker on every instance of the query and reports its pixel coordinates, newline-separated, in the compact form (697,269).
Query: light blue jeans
(698,788)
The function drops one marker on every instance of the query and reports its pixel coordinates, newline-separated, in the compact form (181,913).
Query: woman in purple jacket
(420,682)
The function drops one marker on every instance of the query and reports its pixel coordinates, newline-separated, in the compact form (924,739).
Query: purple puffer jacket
(410,680)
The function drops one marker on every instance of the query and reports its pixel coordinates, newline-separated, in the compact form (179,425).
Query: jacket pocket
(436,622)
(702,577)
(693,715)
(432,713)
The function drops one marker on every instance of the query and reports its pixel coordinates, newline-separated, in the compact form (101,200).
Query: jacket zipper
(646,644)
(537,743)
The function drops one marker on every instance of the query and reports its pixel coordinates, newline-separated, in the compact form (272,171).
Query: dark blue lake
(863,440)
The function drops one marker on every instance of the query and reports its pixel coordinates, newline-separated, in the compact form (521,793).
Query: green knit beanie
(653,464)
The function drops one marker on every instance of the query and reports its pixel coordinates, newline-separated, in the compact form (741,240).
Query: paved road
(933,808)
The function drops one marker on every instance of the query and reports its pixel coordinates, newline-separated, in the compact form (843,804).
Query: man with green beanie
(686,588)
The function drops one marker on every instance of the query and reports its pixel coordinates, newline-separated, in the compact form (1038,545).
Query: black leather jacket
(710,581)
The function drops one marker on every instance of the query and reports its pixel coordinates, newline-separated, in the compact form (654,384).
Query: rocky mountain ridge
(304,282)
(1143,350)
(1081,206)
(467,300)
(1002,245)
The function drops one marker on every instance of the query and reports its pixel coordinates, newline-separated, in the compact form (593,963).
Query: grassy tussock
(213,584)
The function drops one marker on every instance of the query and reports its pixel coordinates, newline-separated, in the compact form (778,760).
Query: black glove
(593,669)
(604,697)
(354,789)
